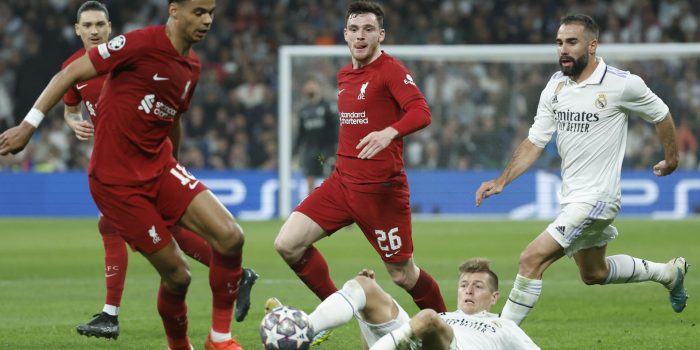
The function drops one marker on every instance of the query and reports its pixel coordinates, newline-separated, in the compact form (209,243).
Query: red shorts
(382,212)
(142,214)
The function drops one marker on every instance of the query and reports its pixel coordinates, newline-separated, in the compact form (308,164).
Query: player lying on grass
(385,325)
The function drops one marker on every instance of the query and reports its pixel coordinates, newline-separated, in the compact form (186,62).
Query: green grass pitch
(51,279)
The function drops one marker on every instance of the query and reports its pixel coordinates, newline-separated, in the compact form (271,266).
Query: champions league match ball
(286,328)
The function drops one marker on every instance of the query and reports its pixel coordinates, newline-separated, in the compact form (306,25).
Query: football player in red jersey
(93,27)
(134,177)
(379,103)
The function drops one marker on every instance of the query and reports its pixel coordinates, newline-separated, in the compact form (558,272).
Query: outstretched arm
(83,129)
(15,139)
(524,156)
(666,132)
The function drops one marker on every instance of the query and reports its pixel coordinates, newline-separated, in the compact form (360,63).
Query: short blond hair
(480,265)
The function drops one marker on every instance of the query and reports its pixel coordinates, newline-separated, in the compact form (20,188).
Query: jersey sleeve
(119,51)
(637,97)
(401,84)
(72,97)
(402,87)
(545,124)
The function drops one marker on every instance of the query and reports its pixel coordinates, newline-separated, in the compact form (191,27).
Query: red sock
(312,269)
(426,293)
(192,244)
(224,275)
(116,261)
(173,311)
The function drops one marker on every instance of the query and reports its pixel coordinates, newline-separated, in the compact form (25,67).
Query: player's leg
(208,217)
(596,268)
(192,244)
(130,209)
(534,260)
(295,242)
(418,283)
(318,215)
(106,323)
(385,220)
(172,266)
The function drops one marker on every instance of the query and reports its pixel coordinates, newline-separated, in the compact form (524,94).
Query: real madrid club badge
(601,101)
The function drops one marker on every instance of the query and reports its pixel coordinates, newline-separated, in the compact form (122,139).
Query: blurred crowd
(479,109)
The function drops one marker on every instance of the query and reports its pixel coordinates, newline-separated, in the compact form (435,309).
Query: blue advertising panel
(252,195)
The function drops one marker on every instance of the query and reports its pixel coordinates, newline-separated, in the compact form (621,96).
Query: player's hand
(375,141)
(487,189)
(83,129)
(663,168)
(367,273)
(13,140)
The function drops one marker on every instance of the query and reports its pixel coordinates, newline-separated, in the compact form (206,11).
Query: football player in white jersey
(588,103)
(385,324)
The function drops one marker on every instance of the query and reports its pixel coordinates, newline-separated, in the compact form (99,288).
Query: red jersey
(148,84)
(87,92)
(372,98)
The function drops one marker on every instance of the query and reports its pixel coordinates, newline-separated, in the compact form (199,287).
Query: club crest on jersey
(409,80)
(363,88)
(601,101)
(117,43)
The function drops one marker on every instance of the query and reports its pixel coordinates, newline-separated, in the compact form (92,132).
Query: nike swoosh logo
(157,78)
(110,275)
(81,86)
(339,92)
(193,185)
(389,255)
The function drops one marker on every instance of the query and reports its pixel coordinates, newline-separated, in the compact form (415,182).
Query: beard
(576,68)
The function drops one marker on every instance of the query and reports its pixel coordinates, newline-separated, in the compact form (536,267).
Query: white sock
(522,299)
(392,340)
(628,269)
(111,310)
(217,337)
(339,308)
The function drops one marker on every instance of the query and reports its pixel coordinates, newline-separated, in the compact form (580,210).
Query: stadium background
(231,129)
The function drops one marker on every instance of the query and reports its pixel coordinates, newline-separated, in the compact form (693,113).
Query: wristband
(34,117)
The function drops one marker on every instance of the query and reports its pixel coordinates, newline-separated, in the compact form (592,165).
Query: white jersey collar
(482,314)
(596,78)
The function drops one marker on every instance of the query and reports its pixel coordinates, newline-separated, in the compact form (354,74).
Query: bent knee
(178,279)
(427,320)
(591,278)
(230,239)
(404,277)
(532,263)
(289,248)
(369,286)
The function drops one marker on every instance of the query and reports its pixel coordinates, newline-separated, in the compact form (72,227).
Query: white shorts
(584,225)
(372,332)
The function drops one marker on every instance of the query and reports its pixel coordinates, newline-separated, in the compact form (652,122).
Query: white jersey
(486,331)
(590,119)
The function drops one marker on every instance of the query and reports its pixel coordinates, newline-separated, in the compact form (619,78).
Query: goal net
(483,99)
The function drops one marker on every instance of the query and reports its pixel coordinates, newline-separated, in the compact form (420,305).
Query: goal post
(520,54)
